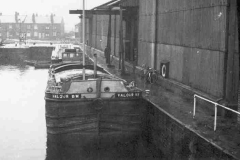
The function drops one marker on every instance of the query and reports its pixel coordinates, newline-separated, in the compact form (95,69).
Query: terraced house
(50,27)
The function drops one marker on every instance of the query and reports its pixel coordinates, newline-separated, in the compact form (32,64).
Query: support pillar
(232,76)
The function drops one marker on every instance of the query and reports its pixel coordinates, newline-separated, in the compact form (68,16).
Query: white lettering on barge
(127,95)
(62,96)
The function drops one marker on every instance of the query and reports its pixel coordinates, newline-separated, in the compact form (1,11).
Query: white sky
(46,7)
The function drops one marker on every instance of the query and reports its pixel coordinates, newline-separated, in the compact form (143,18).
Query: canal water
(23,128)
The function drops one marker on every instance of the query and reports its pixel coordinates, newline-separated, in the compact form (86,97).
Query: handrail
(215,106)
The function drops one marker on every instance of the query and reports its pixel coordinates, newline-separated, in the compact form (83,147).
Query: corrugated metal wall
(130,3)
(100,32)
(191,34)
(146,36)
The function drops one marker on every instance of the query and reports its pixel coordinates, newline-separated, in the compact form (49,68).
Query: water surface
(22,116)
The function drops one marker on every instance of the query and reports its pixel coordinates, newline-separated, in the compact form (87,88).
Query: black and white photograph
(120,80)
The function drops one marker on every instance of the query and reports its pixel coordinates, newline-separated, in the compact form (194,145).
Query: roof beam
(98,12)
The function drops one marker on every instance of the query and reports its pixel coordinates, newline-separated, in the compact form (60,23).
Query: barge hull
(113,120)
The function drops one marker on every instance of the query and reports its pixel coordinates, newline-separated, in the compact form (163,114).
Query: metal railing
(215,110)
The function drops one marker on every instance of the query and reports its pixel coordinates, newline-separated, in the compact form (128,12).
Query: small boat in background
(38,64)
(42,64)
(65,53)
(62,53)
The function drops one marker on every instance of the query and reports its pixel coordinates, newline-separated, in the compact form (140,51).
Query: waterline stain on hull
(111,120)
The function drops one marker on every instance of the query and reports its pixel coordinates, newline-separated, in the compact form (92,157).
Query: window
(28,26)
(28,34)
(54,34)
(35,34)
(71,55)
(35,26)
(64,55)
(10,26)
(47,27)
(47,35)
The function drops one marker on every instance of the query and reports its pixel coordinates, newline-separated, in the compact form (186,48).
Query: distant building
(77,28)
(31,27)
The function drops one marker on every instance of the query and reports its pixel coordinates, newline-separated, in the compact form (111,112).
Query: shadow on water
(61,149)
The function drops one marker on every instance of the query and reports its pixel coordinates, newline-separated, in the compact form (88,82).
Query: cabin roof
(69,66)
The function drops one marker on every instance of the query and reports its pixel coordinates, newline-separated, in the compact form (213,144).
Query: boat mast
(83,36)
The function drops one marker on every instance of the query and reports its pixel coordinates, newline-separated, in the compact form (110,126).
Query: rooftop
(28,19)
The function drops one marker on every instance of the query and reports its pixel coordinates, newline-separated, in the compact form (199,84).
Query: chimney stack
(33,18)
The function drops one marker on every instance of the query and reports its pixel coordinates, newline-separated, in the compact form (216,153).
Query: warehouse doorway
(131,33)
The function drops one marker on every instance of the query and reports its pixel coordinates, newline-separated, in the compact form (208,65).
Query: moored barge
(98,106)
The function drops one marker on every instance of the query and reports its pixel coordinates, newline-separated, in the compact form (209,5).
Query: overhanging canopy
(98,12)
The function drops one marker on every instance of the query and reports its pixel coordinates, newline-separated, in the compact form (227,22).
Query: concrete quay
(171,124)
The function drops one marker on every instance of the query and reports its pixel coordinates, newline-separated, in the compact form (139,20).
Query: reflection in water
(61,149)
(22,121)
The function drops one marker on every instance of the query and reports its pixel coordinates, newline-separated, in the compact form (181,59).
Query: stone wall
(13,55)
(18,55)
(176,141)
(40,53)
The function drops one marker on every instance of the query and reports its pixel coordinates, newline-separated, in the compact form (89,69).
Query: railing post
(194,106)
(215,117)
(215,109)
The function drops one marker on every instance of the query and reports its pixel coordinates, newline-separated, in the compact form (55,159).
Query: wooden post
(238,30)
(96,34)
(83,33)
(115,25)
(121,42)
(109,40)
(90,31)
(156,36)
